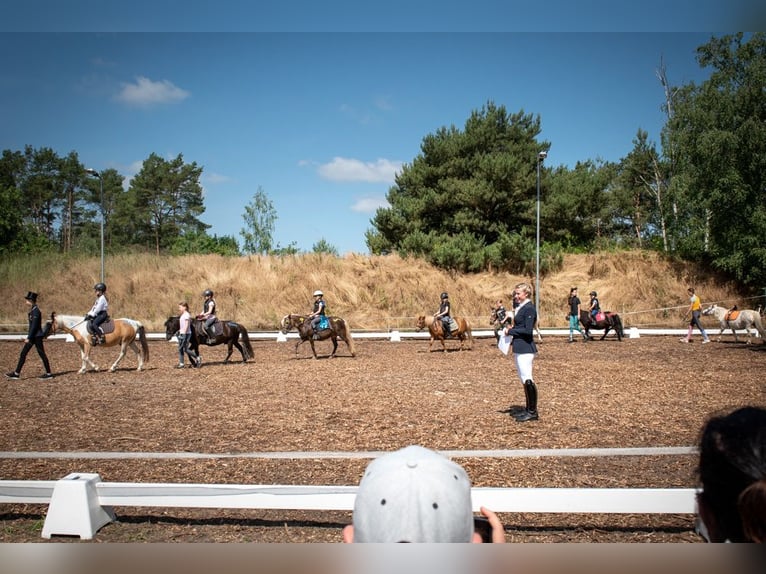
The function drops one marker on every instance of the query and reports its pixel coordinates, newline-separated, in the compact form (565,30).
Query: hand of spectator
(498,531)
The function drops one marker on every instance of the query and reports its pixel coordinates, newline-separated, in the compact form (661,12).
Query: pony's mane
(72,322)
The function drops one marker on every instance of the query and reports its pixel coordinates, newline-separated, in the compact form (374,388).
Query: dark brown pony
(611,321)
(462,333)
(122,332)
(226,332)
(338,329)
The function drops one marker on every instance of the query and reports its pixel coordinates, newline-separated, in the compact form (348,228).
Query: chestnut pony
(462,333)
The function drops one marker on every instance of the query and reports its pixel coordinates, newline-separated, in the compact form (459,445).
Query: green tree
(643,180)
(200,242)
(719,131)
(465,191)
(164,202)
(260,217)
(322,246)
(578,205)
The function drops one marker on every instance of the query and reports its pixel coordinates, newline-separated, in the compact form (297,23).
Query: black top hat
(31,296)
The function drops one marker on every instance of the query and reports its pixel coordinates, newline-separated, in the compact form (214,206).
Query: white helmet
(318,292)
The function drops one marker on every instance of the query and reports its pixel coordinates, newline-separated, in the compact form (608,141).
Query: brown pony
(338,328)
(436,331)
(122,332)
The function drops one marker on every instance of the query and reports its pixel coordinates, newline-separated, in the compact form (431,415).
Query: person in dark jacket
(524,349)
(35,337)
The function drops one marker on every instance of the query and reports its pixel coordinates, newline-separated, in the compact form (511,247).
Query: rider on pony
(595,307)
(318,312)
(501,317)
(98,314)
(444,314)
(208,314)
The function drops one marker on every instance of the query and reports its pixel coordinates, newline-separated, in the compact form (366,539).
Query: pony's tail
(618,325)
(144,344)
(348,338)
(468,332)
(246,342)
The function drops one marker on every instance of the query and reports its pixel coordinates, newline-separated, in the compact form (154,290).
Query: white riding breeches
(524,365)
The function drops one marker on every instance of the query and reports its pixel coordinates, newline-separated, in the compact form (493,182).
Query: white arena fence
(80,503)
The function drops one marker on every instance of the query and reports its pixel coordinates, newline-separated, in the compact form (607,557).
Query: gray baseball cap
(413,495)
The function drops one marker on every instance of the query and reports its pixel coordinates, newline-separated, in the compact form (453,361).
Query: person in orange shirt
(695,308)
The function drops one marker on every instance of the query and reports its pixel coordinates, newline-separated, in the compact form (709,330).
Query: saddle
(731,314)
(449,325)
(600,316)
(216,328)
(106,327)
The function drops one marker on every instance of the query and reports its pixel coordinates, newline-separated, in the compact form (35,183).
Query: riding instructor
(524,349)
(98,314)
(318,311)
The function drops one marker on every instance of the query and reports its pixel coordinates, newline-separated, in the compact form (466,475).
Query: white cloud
(145,92)
(369,204)
(214,178)
(349,169)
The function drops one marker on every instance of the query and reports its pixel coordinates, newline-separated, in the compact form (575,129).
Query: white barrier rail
(80,504)
(396,336)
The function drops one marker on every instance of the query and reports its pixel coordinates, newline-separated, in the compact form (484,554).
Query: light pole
(540,157)
(94,173)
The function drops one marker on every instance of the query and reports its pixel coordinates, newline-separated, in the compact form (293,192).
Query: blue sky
(320,120)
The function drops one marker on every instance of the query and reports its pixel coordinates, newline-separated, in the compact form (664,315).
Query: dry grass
(381,292)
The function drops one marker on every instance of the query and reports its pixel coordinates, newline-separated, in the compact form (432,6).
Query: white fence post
(75,509)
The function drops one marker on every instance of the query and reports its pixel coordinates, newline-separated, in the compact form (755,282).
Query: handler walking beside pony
(574,315)
(184,337)
(524,349)
(695,308)
(34,338)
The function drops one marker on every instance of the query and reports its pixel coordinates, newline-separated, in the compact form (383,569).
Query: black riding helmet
(100,287)
(207,293)
(445,296)
(594,293)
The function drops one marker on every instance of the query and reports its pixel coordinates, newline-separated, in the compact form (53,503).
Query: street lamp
(94,173)
(540,157)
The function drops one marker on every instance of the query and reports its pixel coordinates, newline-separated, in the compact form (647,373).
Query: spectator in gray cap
(416,495)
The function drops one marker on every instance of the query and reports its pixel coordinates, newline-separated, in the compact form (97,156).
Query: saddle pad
(324,322)
(600,316)
(453,326)
(731,315)
(107,326)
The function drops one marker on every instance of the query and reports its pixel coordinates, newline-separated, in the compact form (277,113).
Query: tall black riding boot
(530,392)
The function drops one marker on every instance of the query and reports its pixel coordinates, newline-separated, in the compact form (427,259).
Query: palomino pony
(122,332)
(743,319)
(337,328)
(434,325)
(494,322)
(226,332)
(611,321)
